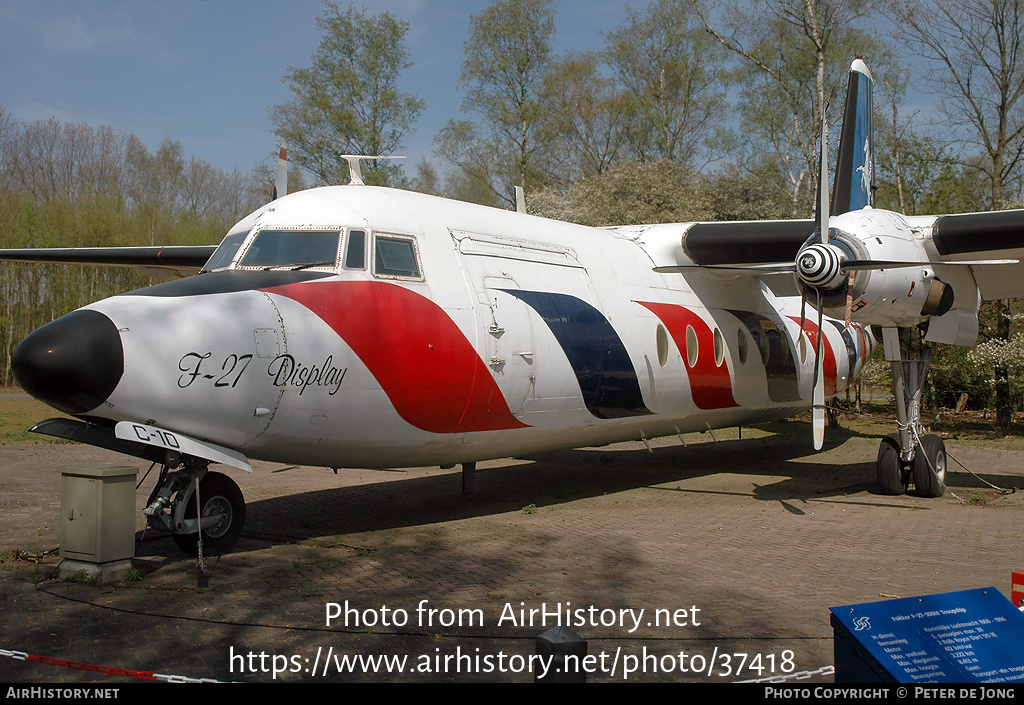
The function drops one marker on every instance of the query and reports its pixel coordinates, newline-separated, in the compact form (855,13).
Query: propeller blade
(758,269)
(823,212)
(788,267)
(818,395)
(855,264)
(849,300)
(803,307)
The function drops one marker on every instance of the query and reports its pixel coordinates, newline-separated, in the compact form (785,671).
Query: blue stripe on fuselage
(597,355)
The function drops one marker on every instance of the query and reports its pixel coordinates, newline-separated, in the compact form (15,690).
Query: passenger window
(691,346)
(395,256)
(741,346)
(719,348)
(355,252)
(662,337)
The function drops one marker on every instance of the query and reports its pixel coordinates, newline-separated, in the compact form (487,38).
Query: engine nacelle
(889,297)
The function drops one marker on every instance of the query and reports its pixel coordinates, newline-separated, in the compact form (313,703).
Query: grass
(80,577)
(18,415)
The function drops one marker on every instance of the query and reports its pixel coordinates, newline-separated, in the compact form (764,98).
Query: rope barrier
(109,670)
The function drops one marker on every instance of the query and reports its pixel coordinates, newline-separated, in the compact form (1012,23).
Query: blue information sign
(956,637)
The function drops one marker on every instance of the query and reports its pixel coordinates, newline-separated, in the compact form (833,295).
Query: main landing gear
(174,506)
(910,456)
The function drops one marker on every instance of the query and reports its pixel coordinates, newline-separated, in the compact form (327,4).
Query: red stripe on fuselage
(431,373)
(831,373)
(710,384)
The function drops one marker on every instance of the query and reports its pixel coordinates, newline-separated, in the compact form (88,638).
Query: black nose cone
(73,364)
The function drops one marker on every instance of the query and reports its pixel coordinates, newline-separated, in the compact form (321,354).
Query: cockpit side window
(225,252)
(355,250)
(395,257)
(292,248)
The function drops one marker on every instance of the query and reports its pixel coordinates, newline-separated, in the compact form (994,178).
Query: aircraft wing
(955,238)
(163,262)
(746,242)
(999,234)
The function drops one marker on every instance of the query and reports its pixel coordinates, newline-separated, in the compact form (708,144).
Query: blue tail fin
(854,186)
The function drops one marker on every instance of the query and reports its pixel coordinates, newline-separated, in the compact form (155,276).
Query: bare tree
(793,58)
(585,117)
(672,70)
(976,54)
(506,56)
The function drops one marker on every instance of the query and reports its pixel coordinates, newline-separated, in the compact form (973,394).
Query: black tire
(219,493)
(929,482)
(889,470)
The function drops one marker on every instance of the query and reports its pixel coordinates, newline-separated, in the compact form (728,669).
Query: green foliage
(80,577)
(672,73)
(662,192)
(999,357)
(347,101)
(464,186)
(426,180)
(506,57)
(653,192)
(585,118)
(72,185)
(745,193)
(954,372)
(793,57)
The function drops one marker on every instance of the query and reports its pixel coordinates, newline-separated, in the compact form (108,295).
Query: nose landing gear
(173,507)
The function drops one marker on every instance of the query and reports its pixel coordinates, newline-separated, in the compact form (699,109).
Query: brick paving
(761,535)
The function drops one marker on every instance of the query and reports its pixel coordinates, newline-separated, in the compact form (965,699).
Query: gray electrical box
(97,505)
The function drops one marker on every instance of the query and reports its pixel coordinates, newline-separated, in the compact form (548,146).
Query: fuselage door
(507,342)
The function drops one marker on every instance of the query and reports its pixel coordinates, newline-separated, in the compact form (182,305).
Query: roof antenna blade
(281,183)
(354,171)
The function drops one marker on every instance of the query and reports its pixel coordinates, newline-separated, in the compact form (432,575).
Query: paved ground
(759,535)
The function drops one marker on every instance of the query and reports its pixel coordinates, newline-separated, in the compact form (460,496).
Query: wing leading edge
(181,260)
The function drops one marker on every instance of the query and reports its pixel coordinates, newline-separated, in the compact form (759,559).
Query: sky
(205,72)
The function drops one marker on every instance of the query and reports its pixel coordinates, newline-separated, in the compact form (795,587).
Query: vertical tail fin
(854,186)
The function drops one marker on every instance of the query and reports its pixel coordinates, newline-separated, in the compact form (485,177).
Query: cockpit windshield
(226,252)
(292,248)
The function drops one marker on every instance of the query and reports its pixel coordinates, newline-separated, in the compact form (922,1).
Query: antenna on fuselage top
(520,200)
(281,183)
(354,172)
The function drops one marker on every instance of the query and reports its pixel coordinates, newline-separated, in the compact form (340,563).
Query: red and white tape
(111,670)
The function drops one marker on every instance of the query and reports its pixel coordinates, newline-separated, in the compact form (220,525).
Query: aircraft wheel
(220,495)
(931,454)
(888,469)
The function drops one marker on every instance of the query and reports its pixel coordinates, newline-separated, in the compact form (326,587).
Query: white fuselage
(510,334)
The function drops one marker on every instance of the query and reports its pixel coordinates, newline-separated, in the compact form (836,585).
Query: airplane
(363,326)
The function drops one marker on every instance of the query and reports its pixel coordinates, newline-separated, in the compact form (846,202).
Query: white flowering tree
(1002,358)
